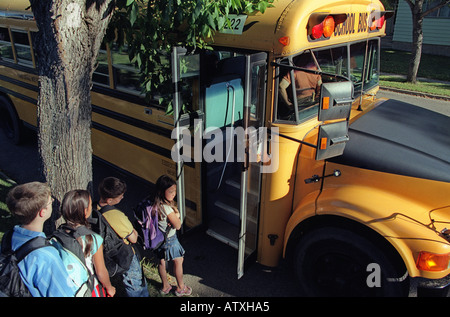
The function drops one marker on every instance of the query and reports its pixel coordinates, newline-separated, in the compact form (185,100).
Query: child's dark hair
(162,184)
(111,187)
(73,208)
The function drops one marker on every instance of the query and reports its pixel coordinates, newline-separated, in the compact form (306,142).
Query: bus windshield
(357,62)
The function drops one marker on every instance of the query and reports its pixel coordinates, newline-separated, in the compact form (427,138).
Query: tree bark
(417,42)
(67,45)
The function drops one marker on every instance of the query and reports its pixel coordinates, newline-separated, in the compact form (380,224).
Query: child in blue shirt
(42,270)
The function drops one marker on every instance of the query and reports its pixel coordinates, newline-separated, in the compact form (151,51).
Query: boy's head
(111,188)
(26,200)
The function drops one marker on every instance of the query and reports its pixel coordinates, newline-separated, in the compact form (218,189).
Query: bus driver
(307,85)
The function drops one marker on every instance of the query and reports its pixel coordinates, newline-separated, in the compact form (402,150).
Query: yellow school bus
(283,150)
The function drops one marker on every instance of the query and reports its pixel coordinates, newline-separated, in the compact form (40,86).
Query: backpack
(64,239)
(117,254)
(146,216)
(11,283)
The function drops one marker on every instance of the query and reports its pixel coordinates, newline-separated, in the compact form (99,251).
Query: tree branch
(440,5)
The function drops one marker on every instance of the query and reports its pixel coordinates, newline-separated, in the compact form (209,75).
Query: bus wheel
(337,262)
(9,121)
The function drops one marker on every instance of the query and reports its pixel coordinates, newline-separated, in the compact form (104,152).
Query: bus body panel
(392,205)
(293,20)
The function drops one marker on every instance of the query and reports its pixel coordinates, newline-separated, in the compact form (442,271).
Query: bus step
(234,188)
(233,210)
(225,233)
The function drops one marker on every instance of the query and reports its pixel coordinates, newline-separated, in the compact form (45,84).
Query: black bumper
(422,287)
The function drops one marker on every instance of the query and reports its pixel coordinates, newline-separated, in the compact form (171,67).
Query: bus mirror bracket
(336,100)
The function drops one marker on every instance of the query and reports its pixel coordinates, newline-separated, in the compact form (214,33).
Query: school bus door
(231,106)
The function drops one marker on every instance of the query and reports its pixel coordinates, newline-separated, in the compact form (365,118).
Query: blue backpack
(64,239)
(146,215)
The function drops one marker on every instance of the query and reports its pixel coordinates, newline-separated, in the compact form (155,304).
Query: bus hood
(400,138)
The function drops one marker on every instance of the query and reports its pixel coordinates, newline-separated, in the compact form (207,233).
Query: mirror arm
(293,139)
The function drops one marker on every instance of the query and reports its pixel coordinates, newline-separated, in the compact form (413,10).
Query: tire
(335,262)
(9,121)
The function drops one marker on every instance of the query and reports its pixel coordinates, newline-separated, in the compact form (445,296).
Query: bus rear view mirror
(332,140)
(336,100)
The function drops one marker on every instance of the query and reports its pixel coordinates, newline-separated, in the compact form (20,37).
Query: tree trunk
(68,41)
(417,42)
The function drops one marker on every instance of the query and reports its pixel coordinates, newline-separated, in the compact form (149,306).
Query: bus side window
(22,47)
(359,56)
(101,73)
(126,75)
(6,52)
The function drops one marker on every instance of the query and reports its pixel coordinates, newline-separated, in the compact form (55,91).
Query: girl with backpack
(171,249)
(76,207)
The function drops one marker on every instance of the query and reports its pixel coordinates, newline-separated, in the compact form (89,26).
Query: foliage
(151,28)
(389,4)
(7,220)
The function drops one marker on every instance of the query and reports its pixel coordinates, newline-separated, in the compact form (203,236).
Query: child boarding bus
(352,190)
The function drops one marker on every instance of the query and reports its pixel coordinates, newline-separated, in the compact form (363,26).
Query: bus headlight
(428,261)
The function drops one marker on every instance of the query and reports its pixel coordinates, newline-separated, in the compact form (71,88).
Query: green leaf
(134,13)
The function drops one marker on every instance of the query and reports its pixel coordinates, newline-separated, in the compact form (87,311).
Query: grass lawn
(431,67)
(434,88)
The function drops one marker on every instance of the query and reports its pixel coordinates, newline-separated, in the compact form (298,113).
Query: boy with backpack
(119,256)
(42,270)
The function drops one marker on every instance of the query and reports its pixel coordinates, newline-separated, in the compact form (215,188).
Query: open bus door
(254,106)
(231,104)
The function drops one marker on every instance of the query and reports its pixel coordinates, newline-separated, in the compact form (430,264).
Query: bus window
(331,61)
(126,75)
(6,52)
(22,46)
(189,88)
(357,57)
(101,73)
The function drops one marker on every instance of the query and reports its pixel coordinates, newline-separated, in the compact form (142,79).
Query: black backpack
(117,254)
(11,284)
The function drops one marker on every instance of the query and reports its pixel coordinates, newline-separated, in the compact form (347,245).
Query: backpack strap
(31,245)
(78,231)
(106,208)
(67,237)
(24,249)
